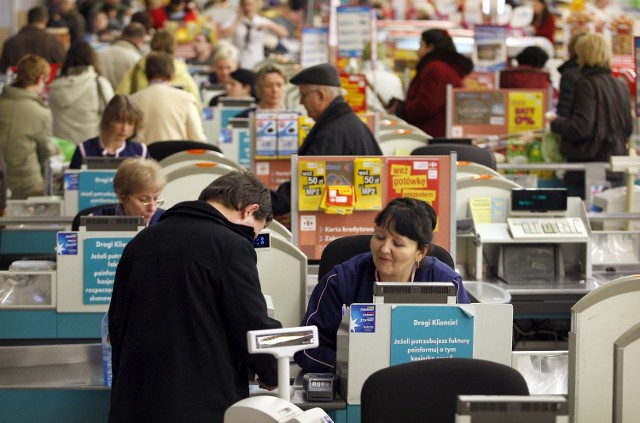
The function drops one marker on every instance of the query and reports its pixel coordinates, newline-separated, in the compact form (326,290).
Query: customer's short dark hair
(533,56)
(37,14)
(238,189)
(409,217)
(159,65)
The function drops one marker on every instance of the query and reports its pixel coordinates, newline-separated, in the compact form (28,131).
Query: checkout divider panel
(336,196)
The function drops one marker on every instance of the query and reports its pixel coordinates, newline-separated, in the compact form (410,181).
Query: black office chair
(469,153)
(427,391)
(161,149)
(342,249)
(75,224)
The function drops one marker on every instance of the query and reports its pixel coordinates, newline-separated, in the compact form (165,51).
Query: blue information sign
(101,257)
(96,188)
(363,318)
(426,332)
(67,244)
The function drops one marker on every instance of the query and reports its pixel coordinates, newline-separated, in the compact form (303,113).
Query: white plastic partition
(177,160)
(283,276)
(626,383)
(187,182)
(599,319)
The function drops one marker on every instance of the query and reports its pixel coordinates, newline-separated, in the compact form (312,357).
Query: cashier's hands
(265,386)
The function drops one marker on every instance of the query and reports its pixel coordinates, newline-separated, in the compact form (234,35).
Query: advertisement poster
(354,28)
(479,108)
(339,196)
(526,111)
(418,179)
(356,87)
(490,48)
(314,46)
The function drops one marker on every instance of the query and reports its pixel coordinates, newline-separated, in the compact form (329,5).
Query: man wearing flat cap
(337,131)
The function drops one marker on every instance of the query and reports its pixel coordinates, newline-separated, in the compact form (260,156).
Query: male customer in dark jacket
(32,39)
(337,130)
(186,292)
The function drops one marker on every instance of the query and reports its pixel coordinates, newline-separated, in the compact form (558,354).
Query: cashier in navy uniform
(399,247)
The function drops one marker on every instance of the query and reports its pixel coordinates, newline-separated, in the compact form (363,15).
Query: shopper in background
(203,49)
(337,131)
(25,128)
(569,75)
(79,95)
(177,11)
(135,78)
(248,31)
(439,65)
(32,39)
(65,14)
(543,23)
(116,59)
(271,82)
(118,125)
(530,71)
(186,293)
(241,84)
(225,61)
(170,114)
(599,123)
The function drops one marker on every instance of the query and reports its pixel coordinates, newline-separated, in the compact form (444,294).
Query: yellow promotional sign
(526,111)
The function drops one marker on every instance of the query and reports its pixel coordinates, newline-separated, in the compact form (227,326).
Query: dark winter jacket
(186,292)
(569,75)
(35,40)
(599,122)
(525,76)
(352,282)
(339,132)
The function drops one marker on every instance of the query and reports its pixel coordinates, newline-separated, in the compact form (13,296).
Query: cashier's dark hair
(238,189)
(409,217)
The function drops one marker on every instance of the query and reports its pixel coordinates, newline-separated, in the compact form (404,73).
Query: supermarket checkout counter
(68,299)
(37,382)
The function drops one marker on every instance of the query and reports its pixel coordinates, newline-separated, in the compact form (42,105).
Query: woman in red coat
(439,65)
(176,10)
(544,23)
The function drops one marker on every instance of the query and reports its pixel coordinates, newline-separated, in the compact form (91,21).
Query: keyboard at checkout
(546,228)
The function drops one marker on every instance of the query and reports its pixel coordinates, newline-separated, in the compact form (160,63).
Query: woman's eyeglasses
(157,203)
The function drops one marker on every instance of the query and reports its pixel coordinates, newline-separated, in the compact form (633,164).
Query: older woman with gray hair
(138,184)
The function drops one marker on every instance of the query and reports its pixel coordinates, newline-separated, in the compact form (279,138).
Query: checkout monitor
(512,408)
(414,293)
(102,162)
